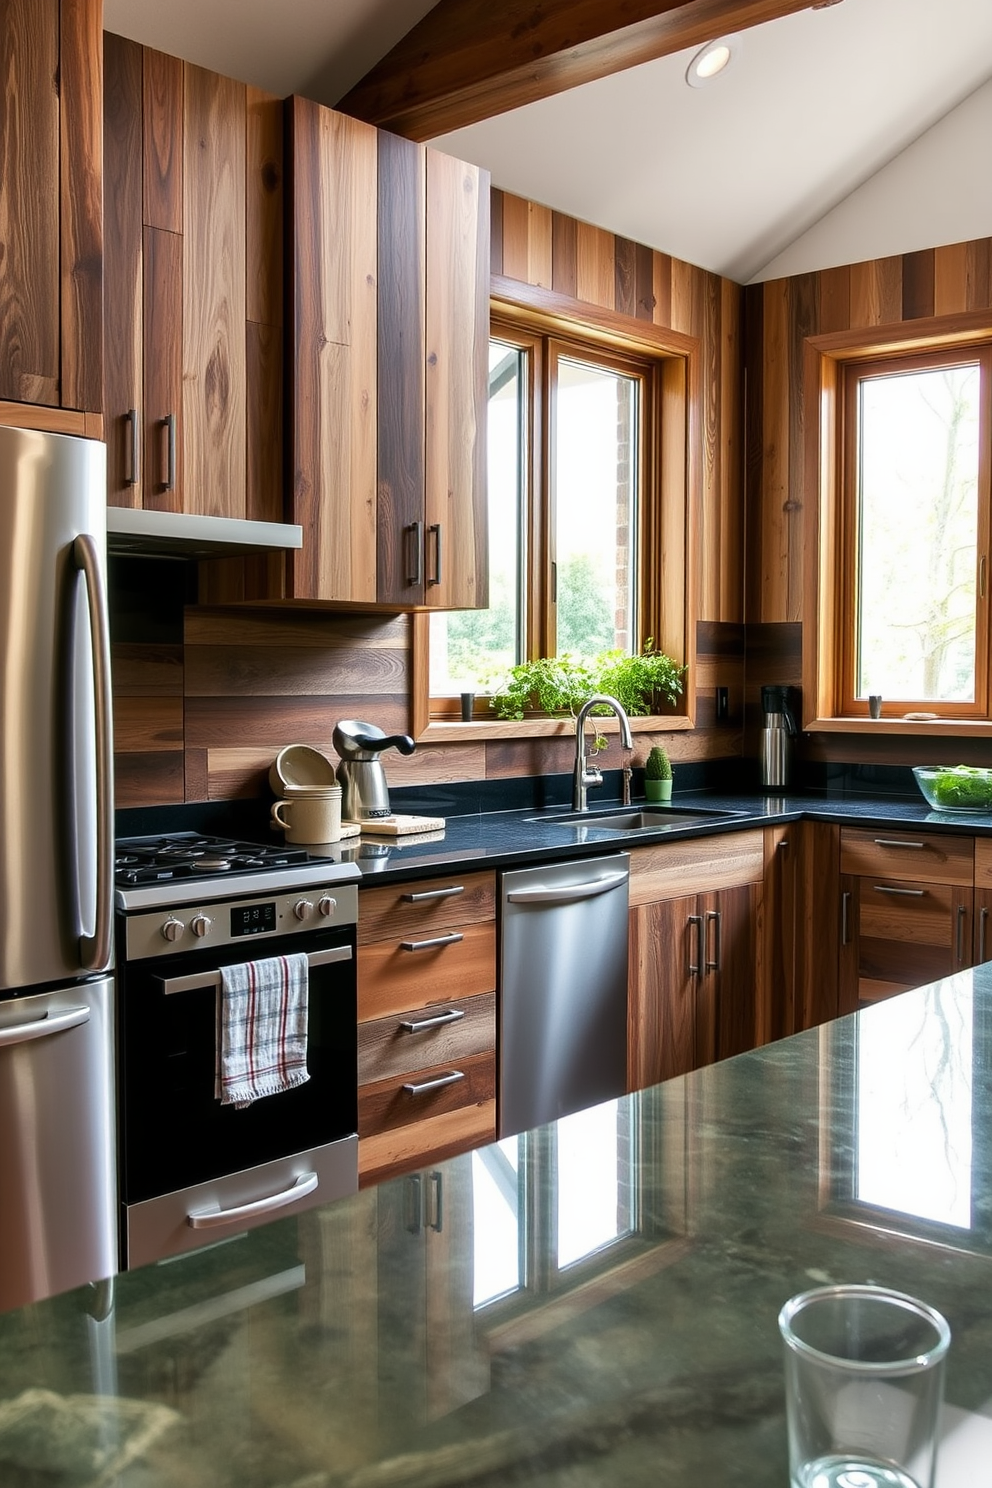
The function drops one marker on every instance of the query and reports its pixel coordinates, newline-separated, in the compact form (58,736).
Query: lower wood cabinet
(427,1022)
(907,904)
(693,962)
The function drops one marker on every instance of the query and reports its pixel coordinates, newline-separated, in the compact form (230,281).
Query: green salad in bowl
(955,787)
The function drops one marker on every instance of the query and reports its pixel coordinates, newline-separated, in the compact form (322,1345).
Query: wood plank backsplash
(205,698)
(778,315)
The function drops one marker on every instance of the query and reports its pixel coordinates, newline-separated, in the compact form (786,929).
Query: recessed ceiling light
(714,58)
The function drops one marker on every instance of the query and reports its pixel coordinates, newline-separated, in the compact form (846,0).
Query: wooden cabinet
(390,333)
(427,1021)
(51,208)
(906,911)
(193,330)
(692,989)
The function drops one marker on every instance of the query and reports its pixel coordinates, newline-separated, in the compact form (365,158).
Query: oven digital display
(253,919)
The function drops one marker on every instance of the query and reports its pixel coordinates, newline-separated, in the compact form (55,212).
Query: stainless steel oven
(191,1170)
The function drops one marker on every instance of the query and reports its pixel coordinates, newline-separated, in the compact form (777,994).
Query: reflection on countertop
(593,1303)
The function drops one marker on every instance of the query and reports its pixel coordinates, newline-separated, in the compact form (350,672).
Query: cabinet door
(332,413)
(664,956)
(51,204)
(122,171)
(729,925)
(983,926)
(162,282)
(457,383)
(775,1008)
(907,933)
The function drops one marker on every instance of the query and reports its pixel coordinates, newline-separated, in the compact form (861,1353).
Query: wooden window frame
(830,368)
(669,487)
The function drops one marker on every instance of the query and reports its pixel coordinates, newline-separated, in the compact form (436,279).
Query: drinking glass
(864,1379)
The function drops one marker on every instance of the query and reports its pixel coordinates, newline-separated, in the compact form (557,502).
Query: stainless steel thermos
(777,734)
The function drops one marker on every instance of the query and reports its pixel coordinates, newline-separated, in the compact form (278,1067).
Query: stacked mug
(309,806)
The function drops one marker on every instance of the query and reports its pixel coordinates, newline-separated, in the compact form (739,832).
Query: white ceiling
(817,146)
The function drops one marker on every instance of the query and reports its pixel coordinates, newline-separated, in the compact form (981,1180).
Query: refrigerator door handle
(20,1033)
(94,950)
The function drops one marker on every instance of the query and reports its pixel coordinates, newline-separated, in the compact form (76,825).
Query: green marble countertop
(591,1304)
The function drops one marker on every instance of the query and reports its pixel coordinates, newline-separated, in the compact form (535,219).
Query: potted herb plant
(658,775)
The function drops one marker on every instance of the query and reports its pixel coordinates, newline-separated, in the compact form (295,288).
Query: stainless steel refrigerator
(57,1183)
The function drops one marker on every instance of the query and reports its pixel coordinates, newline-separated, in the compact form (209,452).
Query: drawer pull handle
(427,894)
(962,912)
(909,893)
(213,1217)
(438,1084)
(983,920)
(418,1025)
(898,842)
(428,945)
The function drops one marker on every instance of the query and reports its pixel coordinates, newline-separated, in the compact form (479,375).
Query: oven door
(177,1139)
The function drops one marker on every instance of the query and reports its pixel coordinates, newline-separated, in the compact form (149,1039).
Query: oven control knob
(303,909)
(327,906)
(199,925)
(173,928)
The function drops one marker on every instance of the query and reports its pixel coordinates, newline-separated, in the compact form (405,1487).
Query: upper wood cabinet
(389,341)
(193,167)
(51,203)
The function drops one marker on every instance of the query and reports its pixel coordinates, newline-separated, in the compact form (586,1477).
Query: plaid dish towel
(261,1029)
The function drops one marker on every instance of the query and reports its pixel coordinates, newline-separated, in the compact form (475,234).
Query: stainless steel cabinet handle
(897,842)
(962,912)
(416,531)
(983,920)
(845,910)
(421,1088)
(215,1216)
(697,921)
(133,444)
(981,577)
(426,894)
(435,940)
(170,452)
(907,893)
(435,1211)
(94,950)
(714,917)
(435,528)
(21,1033)
(417,1025)
(212,979)
(568,893)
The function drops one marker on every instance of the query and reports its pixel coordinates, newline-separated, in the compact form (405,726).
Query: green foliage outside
(561,684)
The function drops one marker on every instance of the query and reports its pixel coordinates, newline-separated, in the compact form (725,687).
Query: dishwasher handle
(567,893)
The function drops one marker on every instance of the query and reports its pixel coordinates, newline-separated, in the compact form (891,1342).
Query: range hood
(162,534)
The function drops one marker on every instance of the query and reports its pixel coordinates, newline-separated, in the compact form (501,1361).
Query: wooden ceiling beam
(468,60)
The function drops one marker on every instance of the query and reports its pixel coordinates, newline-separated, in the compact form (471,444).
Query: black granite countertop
(504,839)
(591,1304)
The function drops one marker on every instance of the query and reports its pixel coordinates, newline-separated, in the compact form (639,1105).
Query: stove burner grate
(145,860)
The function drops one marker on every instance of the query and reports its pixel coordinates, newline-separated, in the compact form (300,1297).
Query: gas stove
(183,867)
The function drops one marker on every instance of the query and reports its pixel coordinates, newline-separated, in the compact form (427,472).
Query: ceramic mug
(312,814)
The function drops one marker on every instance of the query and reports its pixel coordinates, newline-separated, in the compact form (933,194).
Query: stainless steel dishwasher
(563,991)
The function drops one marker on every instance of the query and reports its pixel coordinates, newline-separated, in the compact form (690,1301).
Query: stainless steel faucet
(586,775)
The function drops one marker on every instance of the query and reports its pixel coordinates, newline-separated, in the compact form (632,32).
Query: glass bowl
(955,787)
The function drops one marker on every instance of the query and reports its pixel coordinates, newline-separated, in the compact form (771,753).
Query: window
(572,445)
(916,527)
(896,593)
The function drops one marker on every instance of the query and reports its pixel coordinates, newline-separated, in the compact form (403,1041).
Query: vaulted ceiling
(847,131)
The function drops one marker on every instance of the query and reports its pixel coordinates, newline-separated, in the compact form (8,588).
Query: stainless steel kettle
(364,793)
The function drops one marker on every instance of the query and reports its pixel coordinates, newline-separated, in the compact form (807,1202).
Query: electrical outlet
(722,704)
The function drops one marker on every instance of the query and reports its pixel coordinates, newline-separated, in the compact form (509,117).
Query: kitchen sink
(637,818)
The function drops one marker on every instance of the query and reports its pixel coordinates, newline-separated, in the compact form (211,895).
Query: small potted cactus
(658,775)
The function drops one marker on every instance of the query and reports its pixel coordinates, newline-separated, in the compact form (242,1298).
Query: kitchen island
(594,1303)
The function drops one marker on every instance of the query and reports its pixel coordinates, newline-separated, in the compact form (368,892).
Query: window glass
(470,647)
(496,1220)
(595,492)
(593,1182)
(915,630)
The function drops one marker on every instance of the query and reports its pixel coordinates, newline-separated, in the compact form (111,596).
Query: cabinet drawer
(392,979)
(397,1045)
(907,855)
(417,908)
(671,869)
(388,1104)
(914,935)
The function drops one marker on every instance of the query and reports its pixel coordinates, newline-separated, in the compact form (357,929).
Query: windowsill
(532,728)
(977,727)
